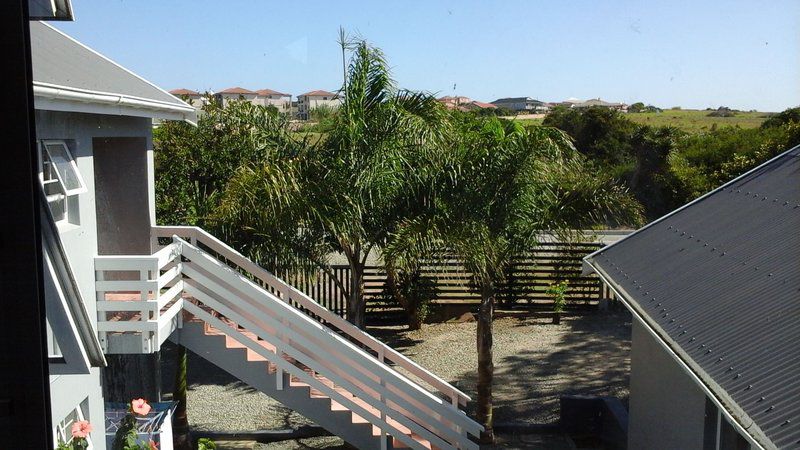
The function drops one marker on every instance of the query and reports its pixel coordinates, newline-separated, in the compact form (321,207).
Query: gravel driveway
(535,363)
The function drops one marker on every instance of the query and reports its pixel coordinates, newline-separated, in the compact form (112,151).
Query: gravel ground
(535,363)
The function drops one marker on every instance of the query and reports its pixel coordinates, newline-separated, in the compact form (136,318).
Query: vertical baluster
(384,436)
(102,316)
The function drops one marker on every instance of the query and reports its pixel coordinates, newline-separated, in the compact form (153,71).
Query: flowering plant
(80,431)
(127,437)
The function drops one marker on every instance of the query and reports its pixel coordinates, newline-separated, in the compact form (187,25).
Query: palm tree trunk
(485,361)
(180,422)
(356,306)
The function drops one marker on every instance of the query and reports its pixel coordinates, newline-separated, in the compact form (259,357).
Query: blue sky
(694,54)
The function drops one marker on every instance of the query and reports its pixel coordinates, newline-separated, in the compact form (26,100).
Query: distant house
(522,104)
(315,99)
(715,295)
(601,103)
(235,93)
(268,97)
(476,105)
(454,102)
(191,97)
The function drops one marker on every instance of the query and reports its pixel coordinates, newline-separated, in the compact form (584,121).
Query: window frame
(72,164)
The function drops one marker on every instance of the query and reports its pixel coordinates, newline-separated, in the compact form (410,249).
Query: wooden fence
(524,287)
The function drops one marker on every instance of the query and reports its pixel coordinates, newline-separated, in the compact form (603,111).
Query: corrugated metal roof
(719,281)
(60,60)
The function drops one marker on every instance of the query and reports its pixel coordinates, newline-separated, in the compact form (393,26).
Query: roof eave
(745,425)
(72,99)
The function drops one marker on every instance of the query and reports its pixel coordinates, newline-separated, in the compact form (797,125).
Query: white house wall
(80,241)
(667,408)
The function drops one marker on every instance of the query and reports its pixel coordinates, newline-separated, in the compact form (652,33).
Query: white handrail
(291,368)
(302,327)
(456,396)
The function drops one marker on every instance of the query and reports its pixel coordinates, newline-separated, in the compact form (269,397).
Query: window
(63,430)
(61,180)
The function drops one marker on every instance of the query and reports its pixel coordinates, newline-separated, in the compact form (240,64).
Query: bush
(600,133)
(788,116)
(722,111)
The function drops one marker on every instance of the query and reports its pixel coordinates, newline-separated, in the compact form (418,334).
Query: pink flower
(140,406)
(153,445)
(81,429)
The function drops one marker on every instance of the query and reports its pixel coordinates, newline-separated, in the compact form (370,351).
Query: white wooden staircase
(201,293)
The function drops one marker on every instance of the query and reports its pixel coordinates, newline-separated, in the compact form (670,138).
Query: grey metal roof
(60,60)
(719,281)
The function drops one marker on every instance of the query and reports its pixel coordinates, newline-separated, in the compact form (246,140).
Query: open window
(62,181)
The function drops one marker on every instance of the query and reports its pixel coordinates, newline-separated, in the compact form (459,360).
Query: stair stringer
(256,375)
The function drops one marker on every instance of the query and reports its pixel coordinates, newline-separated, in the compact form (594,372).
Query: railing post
(99,275)
(384,436)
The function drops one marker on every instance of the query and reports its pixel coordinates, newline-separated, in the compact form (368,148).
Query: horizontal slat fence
(524,288)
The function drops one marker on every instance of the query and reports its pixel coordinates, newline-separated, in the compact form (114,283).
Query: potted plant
(558,291)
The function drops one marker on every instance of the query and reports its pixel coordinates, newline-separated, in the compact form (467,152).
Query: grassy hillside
(695,121)
(690,120)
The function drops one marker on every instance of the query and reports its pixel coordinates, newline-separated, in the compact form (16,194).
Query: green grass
(689,120)
(694,121)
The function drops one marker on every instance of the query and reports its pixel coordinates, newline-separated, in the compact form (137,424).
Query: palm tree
(345,192)
(504,187)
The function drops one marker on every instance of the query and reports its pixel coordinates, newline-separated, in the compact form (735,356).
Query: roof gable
(719,282)
(184,92)
(318,93)
(270,92)
(237,91)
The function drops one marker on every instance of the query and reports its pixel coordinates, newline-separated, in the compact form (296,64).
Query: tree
(636,107)
(782,118)
(602,134)
(502,187)
(345,192)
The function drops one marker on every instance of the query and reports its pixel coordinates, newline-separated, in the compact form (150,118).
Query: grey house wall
(667,409)
(81,131)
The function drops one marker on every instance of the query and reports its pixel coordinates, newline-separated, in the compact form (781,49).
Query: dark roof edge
(719,396)
(697,200)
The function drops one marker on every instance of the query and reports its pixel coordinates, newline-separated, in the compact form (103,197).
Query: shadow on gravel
(199,372)
(592,358)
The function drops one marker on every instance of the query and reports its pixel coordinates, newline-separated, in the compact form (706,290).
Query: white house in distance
(118,286)
(715,295)
(280,100)
(315,99)
(522,104)
(191,97)
(601,103)
(226,96)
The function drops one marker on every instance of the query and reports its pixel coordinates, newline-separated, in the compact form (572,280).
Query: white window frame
(72,164)
(63,203)
(63,430)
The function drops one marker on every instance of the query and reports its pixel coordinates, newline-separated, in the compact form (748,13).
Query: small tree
(344,193)
(558,292)
(503,186)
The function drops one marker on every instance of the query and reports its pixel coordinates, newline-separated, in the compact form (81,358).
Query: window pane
(65,167)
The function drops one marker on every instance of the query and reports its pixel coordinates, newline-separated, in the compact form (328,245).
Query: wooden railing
(144,295)
(297,336)
(289,293)
(139,294)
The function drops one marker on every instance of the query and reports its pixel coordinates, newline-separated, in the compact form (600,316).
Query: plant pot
(557,318)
